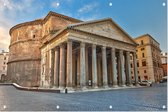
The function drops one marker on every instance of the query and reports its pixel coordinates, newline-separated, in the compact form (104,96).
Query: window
(4,68)
(146,77)
(4,58)
(138,72)
(144,63)
(132,77)
(4,63)
(144,71)
(139,78)
(131,57)
(143,55)
(142,49)
(131,65)
(142,42)
(137,64)
(34,36)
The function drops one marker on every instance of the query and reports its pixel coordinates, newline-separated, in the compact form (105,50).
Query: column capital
(127,52)
(57,48)
(52,50)
(82,44)
(94,45)
(113,49)
(120,50)
(69,40)
(62,45)
(103,47)
(134,53)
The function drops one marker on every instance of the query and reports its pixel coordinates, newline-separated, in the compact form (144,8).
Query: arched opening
(3,78)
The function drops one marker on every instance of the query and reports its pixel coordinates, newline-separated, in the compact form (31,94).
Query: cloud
(94,17)
(88,7)
(4,39)
(55,4)
(10,10)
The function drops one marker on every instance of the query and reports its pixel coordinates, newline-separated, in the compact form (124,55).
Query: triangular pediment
(105,27)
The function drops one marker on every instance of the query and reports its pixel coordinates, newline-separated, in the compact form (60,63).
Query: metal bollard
(66,90)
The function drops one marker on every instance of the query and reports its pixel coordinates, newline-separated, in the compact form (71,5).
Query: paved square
(140,99)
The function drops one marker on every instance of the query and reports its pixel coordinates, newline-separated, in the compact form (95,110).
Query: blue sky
(136,17)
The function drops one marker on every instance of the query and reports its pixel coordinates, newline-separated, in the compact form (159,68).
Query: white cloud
(10,10)
(4,38)
(55,4)
(87,8)
(94,17)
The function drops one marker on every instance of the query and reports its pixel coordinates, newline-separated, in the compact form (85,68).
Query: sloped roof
(72,27)
(60,15)
(41,21)
(102,20)
(148,36)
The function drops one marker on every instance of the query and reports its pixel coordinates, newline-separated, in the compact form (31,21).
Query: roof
(148,36)
(72,27)
(101,20)
(60,15)
(40,21)
(89,22)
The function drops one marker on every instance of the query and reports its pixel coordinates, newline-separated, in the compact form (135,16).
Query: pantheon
(65,53)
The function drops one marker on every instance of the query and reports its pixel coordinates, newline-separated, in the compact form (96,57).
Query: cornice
(100,36)
(21,60)
(42,21)
(35,22)
(21,41)
(61,16)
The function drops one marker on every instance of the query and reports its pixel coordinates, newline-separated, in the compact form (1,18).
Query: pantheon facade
(75,55)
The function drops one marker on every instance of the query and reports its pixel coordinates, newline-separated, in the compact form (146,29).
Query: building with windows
(62,52)
(3,65)
(148,59)
(164,63)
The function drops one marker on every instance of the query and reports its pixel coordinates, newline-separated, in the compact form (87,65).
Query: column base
(115,86)
(120,85)
(130,85)
(84,88)
(137,85)
(106,86)
(61,87)
(69,88)
(55,87)
(95,87)
(123,85)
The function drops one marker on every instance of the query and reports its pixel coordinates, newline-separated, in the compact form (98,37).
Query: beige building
(3,65)
(148,58)
(164,63)
(62,52)
(164,57)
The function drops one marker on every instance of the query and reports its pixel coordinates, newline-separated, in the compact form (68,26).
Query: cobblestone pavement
(146,99)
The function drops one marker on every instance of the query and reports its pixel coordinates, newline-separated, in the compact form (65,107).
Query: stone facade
(3,65)
(24,49)
(164,63)
(148,59)
(62,52)
(88,55)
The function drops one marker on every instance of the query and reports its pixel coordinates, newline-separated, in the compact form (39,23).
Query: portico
(79,59)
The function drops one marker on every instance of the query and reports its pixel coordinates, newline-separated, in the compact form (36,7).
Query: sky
(136,17)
